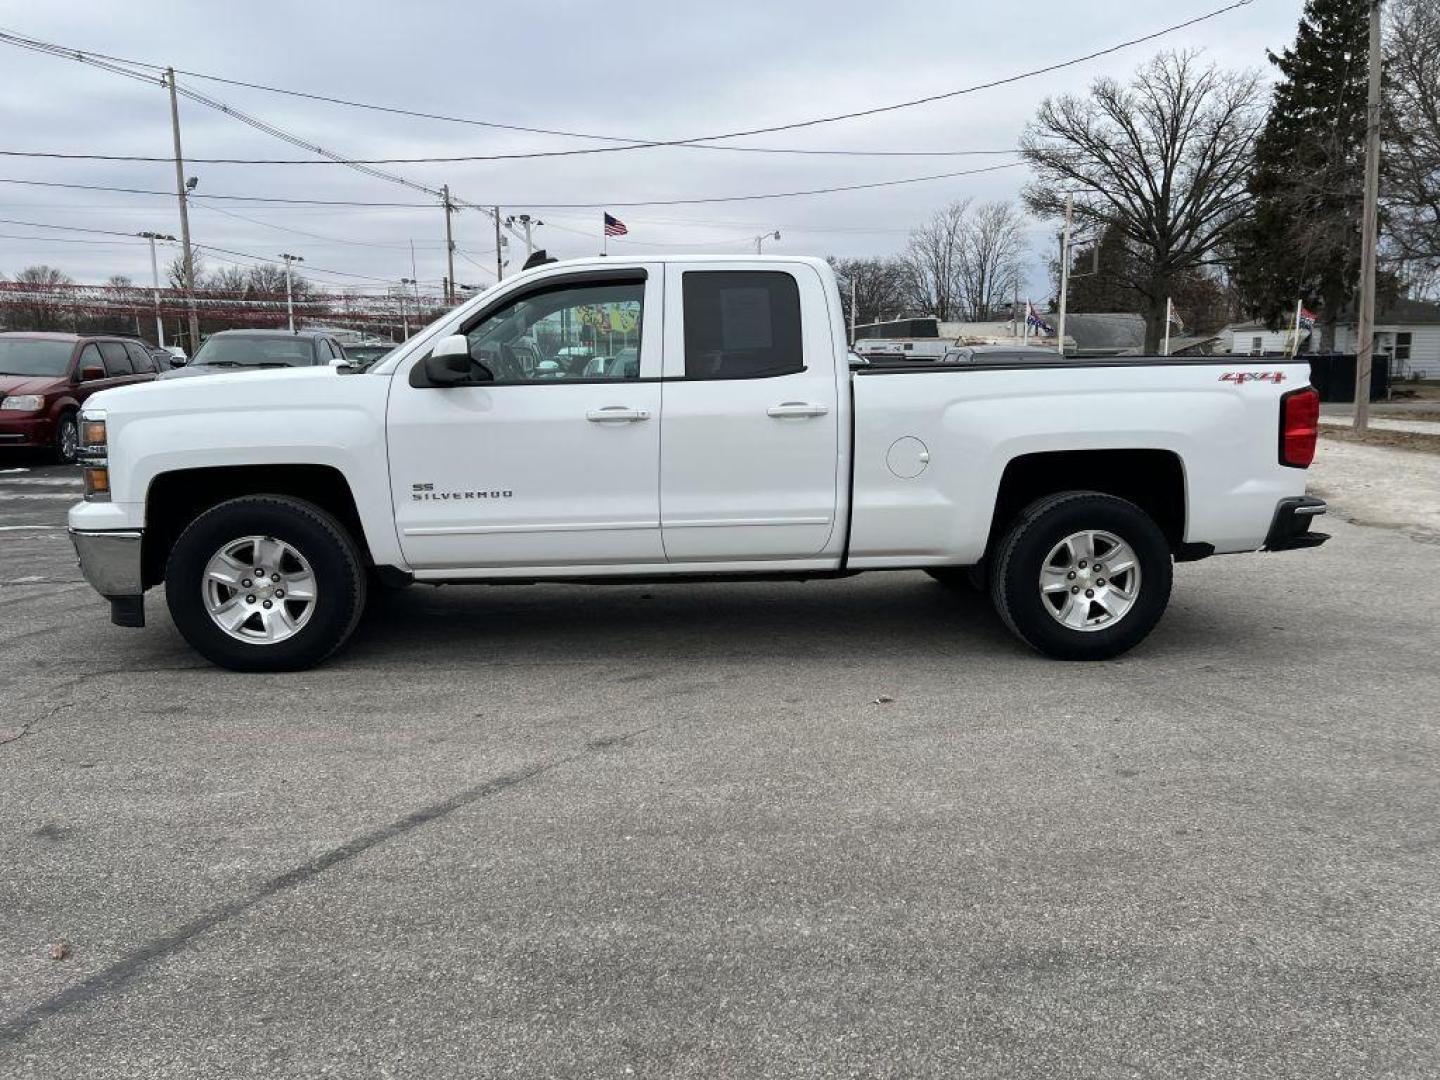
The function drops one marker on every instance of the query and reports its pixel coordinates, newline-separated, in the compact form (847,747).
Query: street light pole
(182,190)
(155,283)
(289,295)
(760,240)
(1064,271)
(1370,228)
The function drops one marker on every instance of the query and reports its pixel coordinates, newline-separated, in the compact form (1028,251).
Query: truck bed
(957,428)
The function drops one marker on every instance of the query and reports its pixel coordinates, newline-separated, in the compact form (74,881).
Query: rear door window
(140,359)
(117,360)
(741,324)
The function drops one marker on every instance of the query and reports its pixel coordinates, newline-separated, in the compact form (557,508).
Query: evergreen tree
(1301,239)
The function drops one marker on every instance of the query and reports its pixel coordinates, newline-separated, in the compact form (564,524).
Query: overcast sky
(649,70)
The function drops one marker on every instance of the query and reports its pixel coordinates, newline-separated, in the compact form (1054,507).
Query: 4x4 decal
(1239,377)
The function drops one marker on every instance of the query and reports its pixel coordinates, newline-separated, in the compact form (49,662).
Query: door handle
(612,414)
(796,408)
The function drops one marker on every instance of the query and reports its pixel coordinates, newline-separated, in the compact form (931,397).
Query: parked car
(364,355)
(254,349)
(45,378)
(476,453)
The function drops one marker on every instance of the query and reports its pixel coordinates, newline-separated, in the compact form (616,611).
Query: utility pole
(499,256)
(449,249)
(155,283)
(182,191)
(1370,228)
(1064,271)
(760,240)
(289,294)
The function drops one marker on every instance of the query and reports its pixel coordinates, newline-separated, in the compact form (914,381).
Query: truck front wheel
(1082,576)
(265,583)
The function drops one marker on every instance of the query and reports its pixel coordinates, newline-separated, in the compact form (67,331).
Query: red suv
(44,379)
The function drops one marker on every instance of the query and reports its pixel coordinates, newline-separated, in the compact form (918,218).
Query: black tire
(340,581)
(1021,554)
(963,579)
(66,447)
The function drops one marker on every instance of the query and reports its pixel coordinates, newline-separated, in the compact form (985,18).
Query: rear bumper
(110,561)
(1290,528)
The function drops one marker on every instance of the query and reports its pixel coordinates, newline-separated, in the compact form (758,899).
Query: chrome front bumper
(110,561)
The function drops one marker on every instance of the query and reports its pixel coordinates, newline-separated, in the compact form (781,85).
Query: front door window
(589,331)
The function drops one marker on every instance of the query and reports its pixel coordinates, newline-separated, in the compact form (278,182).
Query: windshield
(255,352)
(35,356)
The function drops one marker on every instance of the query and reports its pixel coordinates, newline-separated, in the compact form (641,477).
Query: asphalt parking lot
(842,828)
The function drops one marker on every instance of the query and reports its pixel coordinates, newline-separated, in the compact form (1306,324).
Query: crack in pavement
(127,968)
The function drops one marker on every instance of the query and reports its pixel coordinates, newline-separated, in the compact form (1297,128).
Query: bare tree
(1412,129)
(175,272)
(932,260)
(1162,160)
(40,304)
(992,244)
(879,288)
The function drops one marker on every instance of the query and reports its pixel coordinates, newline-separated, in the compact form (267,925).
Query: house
(1407,331)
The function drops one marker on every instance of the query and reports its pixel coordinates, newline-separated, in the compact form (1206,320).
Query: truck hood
(191,370)
(31,384)
(228,389)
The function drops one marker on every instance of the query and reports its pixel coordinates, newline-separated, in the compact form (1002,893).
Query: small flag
(1034,320)
(614,226)
(1175,320)
(1307,318)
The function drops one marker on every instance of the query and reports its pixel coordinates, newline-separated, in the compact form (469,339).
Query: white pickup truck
(681,418)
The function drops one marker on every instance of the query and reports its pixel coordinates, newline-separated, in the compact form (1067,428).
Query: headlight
(94,455)
(23,402)
(92,432)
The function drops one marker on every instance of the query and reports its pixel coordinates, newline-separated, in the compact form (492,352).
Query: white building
(1407,331)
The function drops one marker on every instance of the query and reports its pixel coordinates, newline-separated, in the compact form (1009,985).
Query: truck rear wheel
(265,583)
(1082,576)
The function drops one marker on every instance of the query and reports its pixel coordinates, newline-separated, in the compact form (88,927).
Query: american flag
(1307,318)
(614,226)
(1035,321)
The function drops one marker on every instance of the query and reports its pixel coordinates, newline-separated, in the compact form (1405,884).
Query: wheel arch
(175,498)
(1152,479)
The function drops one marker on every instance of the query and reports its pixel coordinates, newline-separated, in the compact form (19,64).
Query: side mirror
(339,361)
(91,372)
(176,361)
(450,364)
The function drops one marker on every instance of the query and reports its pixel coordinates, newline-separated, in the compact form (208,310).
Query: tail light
(1299,427)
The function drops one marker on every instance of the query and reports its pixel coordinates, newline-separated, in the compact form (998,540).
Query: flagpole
(1025,333)
(604,236)
(1295,334)
(1168,310)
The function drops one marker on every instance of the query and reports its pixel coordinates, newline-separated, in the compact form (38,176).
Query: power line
(313,236)
(65,228)
(196,195)
(101,59)
(539,205)
(462,158)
